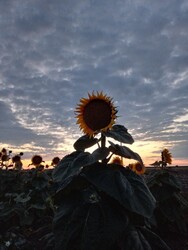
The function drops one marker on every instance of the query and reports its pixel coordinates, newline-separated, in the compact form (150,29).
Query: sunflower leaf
(86,158)
(119,133)
(65,168)
(124,152)
(126,187)
(71,164)
(84,142)
(100,154)
(88,221)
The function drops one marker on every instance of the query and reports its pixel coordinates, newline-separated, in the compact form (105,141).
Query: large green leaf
(64,168)
(88,220)
(126,187)
(84,142)
(72,163)
(124,152)
(119,133)
(69,185)
(85,158)
(99,154)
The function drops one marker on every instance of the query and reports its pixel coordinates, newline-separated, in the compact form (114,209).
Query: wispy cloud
(53,53)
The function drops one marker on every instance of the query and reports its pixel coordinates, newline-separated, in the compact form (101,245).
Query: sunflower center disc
(138,167)
(97,114)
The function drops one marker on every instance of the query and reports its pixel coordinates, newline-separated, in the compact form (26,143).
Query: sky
(52,53)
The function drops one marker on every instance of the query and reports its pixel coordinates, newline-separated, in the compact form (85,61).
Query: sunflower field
(92,201)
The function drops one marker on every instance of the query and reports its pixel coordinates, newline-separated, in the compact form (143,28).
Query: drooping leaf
(100,154)
(119,133)
(126,187)
(69,185)
(124,152)
(84,142)
(86,158)
(64,167)
(72,164)
(88,220)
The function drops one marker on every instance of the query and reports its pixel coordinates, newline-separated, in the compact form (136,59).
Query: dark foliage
(170,219)
(26,210)
(102,206)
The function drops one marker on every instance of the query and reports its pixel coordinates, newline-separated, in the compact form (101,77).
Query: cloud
(53,53)
(11,131)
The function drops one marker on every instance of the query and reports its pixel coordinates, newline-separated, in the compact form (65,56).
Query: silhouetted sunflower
(36,160)
(166,156)
(117,160)
(55,161)
(16,158)
(95,113)
(131,166)
(139,168)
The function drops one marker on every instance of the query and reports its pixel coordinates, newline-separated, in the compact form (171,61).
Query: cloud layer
(55,52)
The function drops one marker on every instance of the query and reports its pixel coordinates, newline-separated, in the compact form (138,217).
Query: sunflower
(131,166)
(117,160)
(166,156)
(95,113)
(36,160)
(137,167)
(55,161)
(16,158)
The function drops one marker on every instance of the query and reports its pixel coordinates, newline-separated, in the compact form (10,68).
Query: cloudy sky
(52,53)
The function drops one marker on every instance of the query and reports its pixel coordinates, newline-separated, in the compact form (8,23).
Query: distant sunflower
(36,160)
(95,113)
(55,161)
(117,160)
(131,166)
(16,158)
(139,168)
(166,156)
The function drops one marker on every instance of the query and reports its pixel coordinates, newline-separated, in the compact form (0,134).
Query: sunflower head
(131,166)
(117,160)
(5,158)
(16,158)
(36,160)
(166,156)
(96,113)
(137,167)
(55,161)
(4,151)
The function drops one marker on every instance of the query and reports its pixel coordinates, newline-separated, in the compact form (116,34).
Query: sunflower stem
(103,144)
(107,159)
(103,141)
